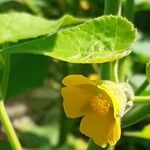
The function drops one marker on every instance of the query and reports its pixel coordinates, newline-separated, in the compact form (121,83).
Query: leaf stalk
(9,128)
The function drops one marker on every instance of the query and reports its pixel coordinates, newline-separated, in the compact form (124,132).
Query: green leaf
(30,75)
(136,114)
(145,133)
(4,145)
(17,26)
(92,145)
(5,1)
(97,40)
(148,71)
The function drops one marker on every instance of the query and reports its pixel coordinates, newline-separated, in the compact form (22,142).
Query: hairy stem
(3,114)
(141,99)
(112,7)
(114,71)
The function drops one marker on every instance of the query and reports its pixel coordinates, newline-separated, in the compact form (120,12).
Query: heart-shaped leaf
(99,40)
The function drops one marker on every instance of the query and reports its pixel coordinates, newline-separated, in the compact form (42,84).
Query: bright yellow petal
(76,99)
(73,80)
(117,95)
(115,133)
(108,87)
(100,128)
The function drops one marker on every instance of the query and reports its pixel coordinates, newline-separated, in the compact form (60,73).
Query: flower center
(99,104)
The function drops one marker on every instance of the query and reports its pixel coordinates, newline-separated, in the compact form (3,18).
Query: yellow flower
(99,103)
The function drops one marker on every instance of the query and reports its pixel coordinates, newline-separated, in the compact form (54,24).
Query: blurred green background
(34,103)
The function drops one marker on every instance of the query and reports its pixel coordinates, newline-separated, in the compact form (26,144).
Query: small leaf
(145,133)
(148,71)
(97,40)
(17,26)
(136,114)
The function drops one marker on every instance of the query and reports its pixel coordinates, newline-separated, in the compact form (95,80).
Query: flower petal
(76,99)
(100,128)
(111,89)
(73,80)
(115,133)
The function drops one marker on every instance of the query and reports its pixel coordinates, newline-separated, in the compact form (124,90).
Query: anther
(99,104)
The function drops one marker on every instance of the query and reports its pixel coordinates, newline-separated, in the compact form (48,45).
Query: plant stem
(3,114)
(112,7)
(105,71)
(142,87)
(8,127)
(114,71)
(141,99)
(110,70)
(129,9)
(5,77)
(63,128)
(63,119)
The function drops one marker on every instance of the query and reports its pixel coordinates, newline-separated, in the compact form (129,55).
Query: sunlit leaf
(97,40)
(17,26)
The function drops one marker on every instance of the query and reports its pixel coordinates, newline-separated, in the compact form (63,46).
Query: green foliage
(136,114)
(97,40)
(139,111)
(4,1)
(4,145)
(141,48)
(148,71)
(142,5)
(145,133)
(137,80)
(30,75)
(17,26)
